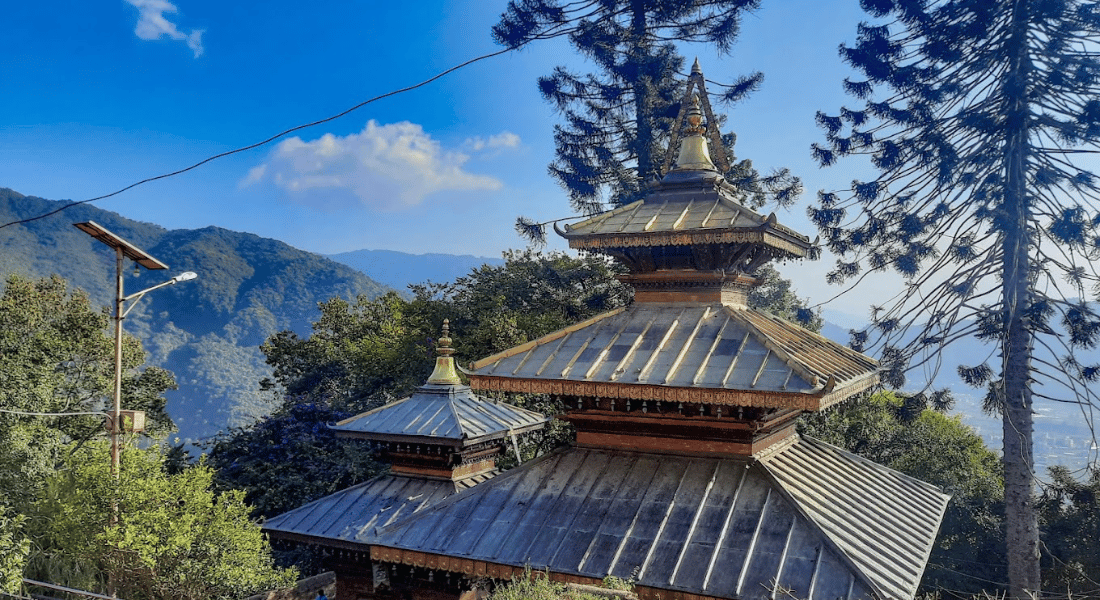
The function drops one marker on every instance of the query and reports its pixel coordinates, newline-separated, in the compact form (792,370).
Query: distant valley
(398,269)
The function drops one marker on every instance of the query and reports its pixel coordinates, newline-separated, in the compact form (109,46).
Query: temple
(687,476)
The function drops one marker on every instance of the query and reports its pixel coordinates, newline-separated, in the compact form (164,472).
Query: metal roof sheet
(686,345)
(677,210)
(686,212)
(351,515)
(702,525)
(442,413)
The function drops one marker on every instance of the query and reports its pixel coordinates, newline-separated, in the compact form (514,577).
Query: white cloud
(504,139)
(384,167)
(152,24)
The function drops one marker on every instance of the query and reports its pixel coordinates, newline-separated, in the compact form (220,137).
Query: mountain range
(207,331)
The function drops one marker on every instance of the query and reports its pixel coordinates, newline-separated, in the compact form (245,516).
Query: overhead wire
(269,139)
(47,414)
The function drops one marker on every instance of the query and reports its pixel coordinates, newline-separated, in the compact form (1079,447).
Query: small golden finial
(444,348)
(694,118)
(444,372)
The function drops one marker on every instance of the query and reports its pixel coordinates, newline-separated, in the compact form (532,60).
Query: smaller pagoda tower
(441,440)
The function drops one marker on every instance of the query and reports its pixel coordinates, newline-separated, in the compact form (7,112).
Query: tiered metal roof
(442,414)
(685,526)
(350,516)
(683,352)
(684,215)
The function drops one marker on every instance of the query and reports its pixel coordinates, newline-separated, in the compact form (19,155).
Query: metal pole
(116,412)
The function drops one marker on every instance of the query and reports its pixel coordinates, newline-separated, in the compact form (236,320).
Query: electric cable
(269,139)
(45,414)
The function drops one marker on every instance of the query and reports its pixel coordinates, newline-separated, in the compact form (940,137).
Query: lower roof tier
(349,518)
(807,517)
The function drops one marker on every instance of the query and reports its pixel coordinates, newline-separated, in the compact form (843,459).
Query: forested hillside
(206,331)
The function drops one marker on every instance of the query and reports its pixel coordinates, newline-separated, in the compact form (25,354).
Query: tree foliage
(58,358)
(1069,512)
(363,354)
(176,539)
(975,116)
(14,549)
(289,458)
(909,433)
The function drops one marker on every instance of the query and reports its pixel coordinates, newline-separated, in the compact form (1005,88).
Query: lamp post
(124,249)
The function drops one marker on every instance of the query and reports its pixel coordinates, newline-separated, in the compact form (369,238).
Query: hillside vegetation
(206,331)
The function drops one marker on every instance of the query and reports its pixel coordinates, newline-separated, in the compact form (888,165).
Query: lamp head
(187,276)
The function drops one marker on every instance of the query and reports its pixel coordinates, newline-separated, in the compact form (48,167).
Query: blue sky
(98,95)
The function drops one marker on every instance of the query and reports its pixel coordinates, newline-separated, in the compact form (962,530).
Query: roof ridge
(818,381)
(454,415)
(371,411)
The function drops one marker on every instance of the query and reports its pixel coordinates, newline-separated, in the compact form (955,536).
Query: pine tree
(618,121)
(976,113)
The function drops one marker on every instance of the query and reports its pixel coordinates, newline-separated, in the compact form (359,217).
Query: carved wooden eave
(748,398)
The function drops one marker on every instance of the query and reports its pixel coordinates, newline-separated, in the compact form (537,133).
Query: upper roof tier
(685,214)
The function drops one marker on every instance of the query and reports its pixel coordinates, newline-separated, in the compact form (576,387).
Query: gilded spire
(445,373)
(694,154)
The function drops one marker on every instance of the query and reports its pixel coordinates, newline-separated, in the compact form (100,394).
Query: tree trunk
(1022,530)
(643,104)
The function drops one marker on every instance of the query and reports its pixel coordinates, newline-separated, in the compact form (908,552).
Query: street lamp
(124,249)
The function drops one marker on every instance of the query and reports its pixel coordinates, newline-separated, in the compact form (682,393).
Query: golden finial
(694,155)
(444,348)
(694,118)
(444,372)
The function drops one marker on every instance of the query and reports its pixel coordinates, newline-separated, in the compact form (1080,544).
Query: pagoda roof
(808,517)
(685,352)
(683,213)
(348,517)
(447,414)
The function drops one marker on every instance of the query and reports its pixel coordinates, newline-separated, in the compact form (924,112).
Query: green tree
(1069,514)
(906,433)
(175,538)
(14,548)
(289,458)
(58,358)
(360,355)
(976,115)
